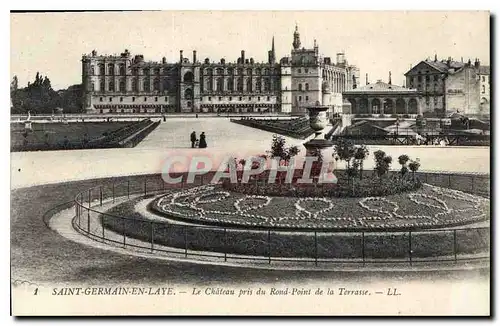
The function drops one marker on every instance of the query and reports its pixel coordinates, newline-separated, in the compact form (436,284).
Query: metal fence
(263,245)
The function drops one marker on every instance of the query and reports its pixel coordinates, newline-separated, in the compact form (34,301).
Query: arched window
(92,71)
(92,86)
(266,71)
(188,77)
(102,85)
(249,71)
(156,84)
(230,71)
(208,71)
(135,71)
(146,71)
(157,71)
(240,71)
(122,85)
(300,87)
(147,85)
(135,87)
(111,69)
(257,71)
(220,84)
(101,69)
(188,94)
(249,85)
(209,84)
(166,84)
(483,89)
(122,69)
(307,86)
(258,85)
(267,85)
(111,85)
(240,84)
(220,71)
(230,85)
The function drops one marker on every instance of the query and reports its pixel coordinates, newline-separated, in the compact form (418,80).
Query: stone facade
(449,86)
(382,98)
(128,84)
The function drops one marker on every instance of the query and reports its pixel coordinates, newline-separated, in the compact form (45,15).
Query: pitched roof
(381,87)
(484,70)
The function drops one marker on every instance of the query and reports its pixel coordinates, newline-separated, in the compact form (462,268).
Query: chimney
(181,58)
(367,79)
(390,80)
(194,56)
(476,63)
(163,60)
(242,56)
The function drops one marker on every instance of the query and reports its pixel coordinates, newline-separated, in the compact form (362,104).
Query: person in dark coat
(193,139)
(203,142)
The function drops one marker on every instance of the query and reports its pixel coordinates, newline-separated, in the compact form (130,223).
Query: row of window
(239,71)
(300,98)
(101,99)
(306,70)
(306,86)
(219,85)
(240,98)
(135,85)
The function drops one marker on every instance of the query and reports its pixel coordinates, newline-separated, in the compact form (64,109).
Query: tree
(14,84)
(382,163)
(403,159)
(414,166)
(360,154)
(280,151)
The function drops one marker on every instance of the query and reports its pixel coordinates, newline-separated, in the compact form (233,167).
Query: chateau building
(449,86)
(129,84)
(382,98)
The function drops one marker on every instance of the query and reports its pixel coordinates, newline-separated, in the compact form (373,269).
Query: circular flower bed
(428,207)
(368,186)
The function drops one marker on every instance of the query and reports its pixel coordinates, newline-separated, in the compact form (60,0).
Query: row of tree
(39,97)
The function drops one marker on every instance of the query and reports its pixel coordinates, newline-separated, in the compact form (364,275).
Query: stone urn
(318,120)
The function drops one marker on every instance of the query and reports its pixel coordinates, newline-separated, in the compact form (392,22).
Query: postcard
(269,163)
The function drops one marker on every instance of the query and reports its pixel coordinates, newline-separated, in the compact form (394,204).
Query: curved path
(42,256)
(224,137)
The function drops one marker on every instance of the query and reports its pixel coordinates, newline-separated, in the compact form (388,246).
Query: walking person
(193,139)
(203,142)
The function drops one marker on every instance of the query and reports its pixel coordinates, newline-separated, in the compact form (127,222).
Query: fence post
(185,242)
(363,246)
(455,244)
(124,235)
(225,244)
(269,245)
(316,248)
(152,235)
(90,196)
(88,220)
(100,195)
(102,223)
(409,247)
(128,188)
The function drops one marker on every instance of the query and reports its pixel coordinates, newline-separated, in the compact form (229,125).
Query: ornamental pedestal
(319,146)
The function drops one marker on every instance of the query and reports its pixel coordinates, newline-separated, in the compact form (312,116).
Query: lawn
(74,131)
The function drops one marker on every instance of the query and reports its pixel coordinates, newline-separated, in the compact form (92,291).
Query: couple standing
(202,143)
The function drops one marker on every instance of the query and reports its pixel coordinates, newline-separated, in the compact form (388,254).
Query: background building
(126,84)
(449,86)
(383,98)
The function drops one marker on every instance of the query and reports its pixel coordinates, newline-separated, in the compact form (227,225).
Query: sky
(376,42)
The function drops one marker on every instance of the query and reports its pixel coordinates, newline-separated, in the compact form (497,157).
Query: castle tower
(286,86)
(296,38)
(272,54)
